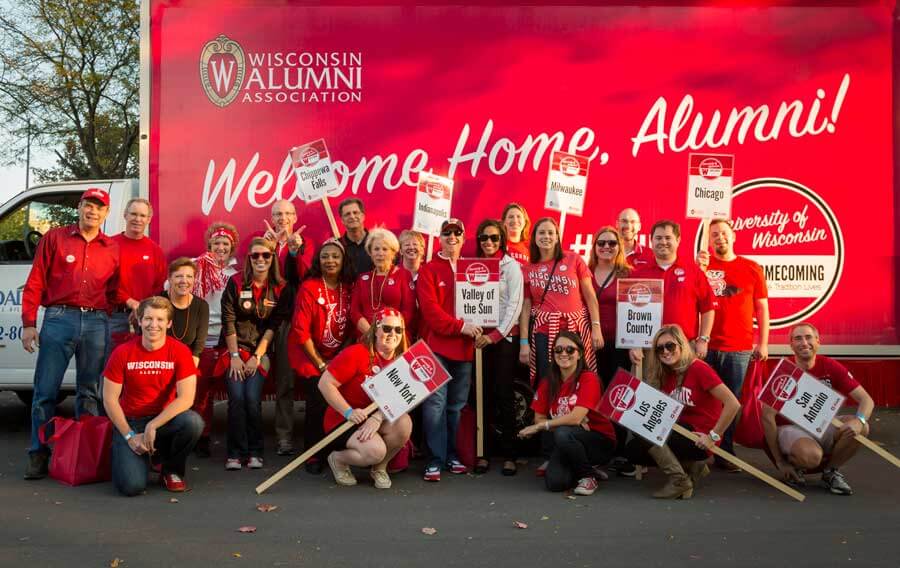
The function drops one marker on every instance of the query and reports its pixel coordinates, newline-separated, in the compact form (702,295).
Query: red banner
(800,95)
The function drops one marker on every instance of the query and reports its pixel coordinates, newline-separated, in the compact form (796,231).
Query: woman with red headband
(214,268)
(375,440)
(319,330)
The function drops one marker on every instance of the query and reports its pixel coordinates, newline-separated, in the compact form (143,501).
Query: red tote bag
(749,430)
(81,449)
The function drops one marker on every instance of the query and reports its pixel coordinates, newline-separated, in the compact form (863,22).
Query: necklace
(265,296)
(187,322)
(327,298)
(372,303)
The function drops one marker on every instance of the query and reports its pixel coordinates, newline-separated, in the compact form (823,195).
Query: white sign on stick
(433,197)
(639,309)
(478,291)
(710,177)
(405,383)
(801,398)
(314,171)
(639,407)
(566,183)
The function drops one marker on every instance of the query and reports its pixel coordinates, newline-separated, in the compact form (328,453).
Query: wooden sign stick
(430,252)
(704,235)
(334,228)
(743,465)
(479,404)
(562,226)
(870,444)
(639,369)
(333,435)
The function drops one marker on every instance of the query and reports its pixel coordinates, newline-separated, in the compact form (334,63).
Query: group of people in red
(329,316)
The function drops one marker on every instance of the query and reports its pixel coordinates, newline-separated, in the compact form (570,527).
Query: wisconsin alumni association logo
(222,67)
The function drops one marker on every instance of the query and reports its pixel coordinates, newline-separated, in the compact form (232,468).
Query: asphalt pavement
(733,519)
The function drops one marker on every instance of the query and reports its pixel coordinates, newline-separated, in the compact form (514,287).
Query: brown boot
(679,485)
(696,470)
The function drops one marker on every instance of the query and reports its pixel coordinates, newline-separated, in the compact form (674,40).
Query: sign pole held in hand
(562,226)
(479,403)
(891,458)
(430,248)
(330,214)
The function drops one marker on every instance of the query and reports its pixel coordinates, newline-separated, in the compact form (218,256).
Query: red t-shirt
(519,252)
(584,392)
(564,291)
(686,293)
(142,268)
(148,378)
(737,285)
(351,368)
(320,314)
(833,374)
(640,255)
(701,409)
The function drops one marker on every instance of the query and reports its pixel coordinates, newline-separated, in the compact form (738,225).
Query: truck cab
(23,221)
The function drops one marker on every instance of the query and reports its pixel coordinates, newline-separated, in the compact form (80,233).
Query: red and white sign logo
(222,68)
(477,273)
(422,369)
(309,156)
(783,387)
(621,397)
(639,295)
(569,166)
(711,168)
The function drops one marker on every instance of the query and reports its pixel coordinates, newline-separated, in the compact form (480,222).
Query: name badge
(246,294)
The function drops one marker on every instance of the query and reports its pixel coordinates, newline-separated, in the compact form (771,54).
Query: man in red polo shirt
(629,223)
(142,268)
(687,298)
(75,275)
(148,389)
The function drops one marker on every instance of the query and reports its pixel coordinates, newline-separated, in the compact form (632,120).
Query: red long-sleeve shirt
(142,268)
(325,322)
(396,290)
(440,327)
(71,271)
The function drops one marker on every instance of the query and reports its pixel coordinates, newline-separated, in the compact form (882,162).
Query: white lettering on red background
(150,365)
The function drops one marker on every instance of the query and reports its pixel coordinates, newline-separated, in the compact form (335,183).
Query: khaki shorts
(788,435)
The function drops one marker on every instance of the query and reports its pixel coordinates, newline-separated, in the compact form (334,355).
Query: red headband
(387,313)
(222,232)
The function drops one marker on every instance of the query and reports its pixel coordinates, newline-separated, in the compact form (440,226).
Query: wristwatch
(236,354)
(714,437)
(703,338)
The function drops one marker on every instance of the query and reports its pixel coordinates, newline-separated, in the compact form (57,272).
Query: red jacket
(396,291)
(326,323)
(440,328)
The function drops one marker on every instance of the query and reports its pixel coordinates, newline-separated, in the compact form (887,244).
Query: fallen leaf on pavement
(572,497)
(545,518)
(265,508)
(520,525)
(115,562)
(429,531)
(247,529)
(236,554)
(173,500)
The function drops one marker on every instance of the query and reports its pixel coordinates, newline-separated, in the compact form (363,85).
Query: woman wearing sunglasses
(501,343)
(319,330)
(254,304)
(375,440)
(579,438)
(709,408)
(386,286)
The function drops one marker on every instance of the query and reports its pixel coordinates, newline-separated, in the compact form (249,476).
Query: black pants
(574,452)
(500,362)
(685,450)
(313,429)
(609,360)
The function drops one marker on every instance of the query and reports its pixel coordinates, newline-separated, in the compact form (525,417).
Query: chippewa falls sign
(278,77)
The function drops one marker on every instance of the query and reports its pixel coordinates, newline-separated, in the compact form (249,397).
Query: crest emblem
(222,68)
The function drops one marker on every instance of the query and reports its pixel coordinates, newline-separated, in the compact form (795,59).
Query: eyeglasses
(669,346)
(610,244)
(454,232)
(261,255)
(569,349)
(389,328)
(492,238)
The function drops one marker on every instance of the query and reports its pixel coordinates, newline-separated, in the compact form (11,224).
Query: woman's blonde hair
(657,370)
(380,233)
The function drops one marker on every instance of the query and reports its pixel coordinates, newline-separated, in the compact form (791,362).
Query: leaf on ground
(429,531)
(695,557)
(173,500)
(236,554)
(247,529)
(116,562)
(57,502)
(265,507)
(572,497)
(545,518)
(520,525)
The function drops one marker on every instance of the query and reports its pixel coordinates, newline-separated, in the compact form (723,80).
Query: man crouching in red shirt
(148,390)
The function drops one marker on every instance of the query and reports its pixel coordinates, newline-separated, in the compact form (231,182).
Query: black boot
(38,466)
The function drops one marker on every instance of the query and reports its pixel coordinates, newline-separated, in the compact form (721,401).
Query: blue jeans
(245,435)
(440,411)
(174,442)
(731,367)
(64,333)
(119,323)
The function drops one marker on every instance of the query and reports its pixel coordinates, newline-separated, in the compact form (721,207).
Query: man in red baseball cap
(75,277)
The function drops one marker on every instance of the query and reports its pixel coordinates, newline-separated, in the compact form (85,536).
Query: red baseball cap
(96,194)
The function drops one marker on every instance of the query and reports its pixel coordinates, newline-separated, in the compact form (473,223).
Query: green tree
(69,72)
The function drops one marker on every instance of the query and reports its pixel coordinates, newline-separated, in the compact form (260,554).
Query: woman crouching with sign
(578,437)
(376,440)
(709,408)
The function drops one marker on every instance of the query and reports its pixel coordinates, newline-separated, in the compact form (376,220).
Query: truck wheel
(28,396)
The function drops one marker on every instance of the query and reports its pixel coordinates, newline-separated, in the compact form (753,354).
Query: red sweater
(397,291)
(326,323)
(142,268)
(440,327)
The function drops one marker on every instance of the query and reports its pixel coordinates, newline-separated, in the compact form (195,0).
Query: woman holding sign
(387,286)
(579,437)
(375,441)
(500,347)
(709,408)
(319,329)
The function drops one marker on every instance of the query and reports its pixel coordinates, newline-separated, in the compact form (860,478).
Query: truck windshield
(22,227)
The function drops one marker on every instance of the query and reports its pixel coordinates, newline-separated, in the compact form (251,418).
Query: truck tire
(28,396)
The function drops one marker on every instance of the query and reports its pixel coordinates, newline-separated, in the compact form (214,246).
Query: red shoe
(173,482)
(541,471)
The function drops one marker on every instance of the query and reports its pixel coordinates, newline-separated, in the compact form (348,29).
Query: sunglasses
(261,255)
(568,349)
(610,244)
(454,232)
(669,346)
(492,238)
(389,328)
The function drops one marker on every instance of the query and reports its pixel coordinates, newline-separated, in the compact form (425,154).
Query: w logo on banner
(222,68)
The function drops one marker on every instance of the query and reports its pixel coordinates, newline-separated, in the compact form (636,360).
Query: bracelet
(862,418)
(347,413)
(595,323)
(321,366)
(523,341)
(130,435)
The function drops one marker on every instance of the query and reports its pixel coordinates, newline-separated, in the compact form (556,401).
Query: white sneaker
(381,478)
(233,464)
(255,463)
